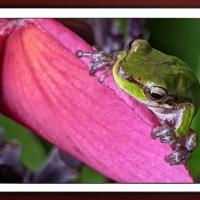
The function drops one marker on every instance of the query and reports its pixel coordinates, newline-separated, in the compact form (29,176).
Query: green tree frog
(161,82)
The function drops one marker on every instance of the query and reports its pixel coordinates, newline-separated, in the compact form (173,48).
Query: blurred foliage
(178,37)
(89,175)
(33,152)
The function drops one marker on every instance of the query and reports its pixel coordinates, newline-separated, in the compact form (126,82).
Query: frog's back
(181,81)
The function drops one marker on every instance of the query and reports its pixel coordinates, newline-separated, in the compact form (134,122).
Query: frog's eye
(128,47)
(131,44)
(156,93)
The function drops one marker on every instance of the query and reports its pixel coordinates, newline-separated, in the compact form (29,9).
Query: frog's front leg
(100,60)
(166,135)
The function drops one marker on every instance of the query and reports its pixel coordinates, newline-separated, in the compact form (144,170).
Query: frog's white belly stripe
(174,117)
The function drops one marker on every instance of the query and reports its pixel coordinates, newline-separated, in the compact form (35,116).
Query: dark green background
(178,37)
(181,38)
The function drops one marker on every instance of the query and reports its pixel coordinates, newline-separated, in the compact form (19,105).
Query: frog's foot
(178,157)
(166,135)
(183,146)
(100,59)
(188,142)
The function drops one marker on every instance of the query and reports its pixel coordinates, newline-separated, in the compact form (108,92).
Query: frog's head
(154,78)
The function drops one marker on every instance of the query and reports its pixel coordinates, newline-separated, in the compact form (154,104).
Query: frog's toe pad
(96,48)
(178,157)
(79,53)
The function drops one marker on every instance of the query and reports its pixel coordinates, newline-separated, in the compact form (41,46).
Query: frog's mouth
(164,108)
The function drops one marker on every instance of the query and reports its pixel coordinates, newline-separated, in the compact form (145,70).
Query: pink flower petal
(46,88)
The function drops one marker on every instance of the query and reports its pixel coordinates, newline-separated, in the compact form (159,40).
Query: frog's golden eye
(131,44)
(155,93)
(128,47)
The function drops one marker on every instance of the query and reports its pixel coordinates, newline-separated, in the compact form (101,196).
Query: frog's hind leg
(166,135)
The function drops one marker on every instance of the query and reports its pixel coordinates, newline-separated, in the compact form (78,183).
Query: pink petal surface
(47,89)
